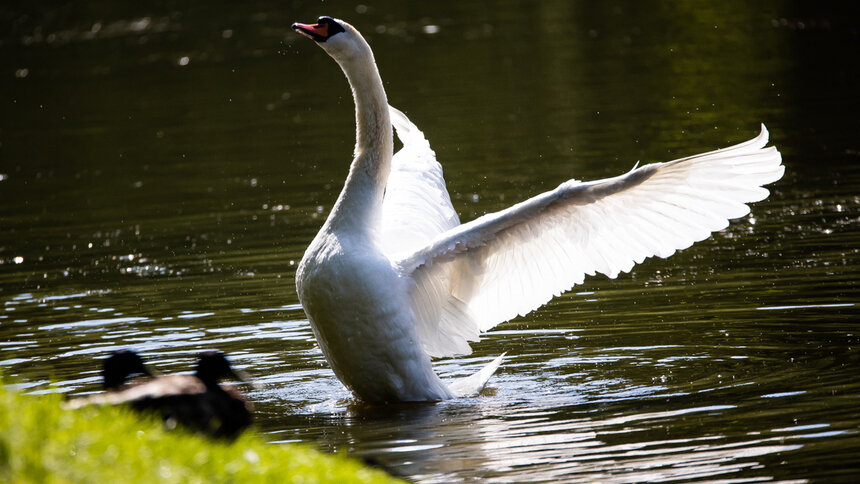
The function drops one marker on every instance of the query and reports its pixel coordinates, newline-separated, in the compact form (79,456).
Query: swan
(393,278)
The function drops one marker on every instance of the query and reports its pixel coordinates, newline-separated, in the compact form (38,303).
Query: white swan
(393,279)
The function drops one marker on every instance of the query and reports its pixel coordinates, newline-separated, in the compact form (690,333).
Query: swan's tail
(471,385)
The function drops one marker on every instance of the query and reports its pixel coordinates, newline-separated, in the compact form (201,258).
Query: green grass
(42,443)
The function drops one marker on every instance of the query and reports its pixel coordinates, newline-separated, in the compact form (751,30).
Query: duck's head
(120,365)
(214,366)
(338,38)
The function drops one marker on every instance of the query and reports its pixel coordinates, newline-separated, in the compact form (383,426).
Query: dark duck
(196,402)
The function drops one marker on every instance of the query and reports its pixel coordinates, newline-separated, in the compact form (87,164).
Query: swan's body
(393,278)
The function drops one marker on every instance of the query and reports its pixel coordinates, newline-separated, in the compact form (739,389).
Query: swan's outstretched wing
(511,262)
(415,210)
(416,207)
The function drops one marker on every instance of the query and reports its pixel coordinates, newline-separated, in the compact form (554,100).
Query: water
(162,171)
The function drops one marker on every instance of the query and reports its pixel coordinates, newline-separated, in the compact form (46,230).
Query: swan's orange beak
(320,31)
(315,31)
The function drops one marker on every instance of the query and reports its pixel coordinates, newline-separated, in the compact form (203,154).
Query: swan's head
(338,38)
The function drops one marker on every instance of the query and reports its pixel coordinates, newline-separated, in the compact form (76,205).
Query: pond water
(162,171)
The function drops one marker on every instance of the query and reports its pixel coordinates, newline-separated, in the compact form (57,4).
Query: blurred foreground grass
(42,443)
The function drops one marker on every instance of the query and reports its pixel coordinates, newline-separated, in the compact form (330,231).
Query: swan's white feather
(415,210)
(474,383)
(511,262)
(416,207)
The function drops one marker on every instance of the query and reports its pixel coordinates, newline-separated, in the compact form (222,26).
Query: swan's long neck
(359,205)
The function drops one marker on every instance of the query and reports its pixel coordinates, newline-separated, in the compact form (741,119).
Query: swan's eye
(334,27)
(324,29)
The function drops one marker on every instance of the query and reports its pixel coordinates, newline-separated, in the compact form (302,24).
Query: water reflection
(504,442)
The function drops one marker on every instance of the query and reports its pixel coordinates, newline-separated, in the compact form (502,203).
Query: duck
(119,366)
(393,279)
(196,402)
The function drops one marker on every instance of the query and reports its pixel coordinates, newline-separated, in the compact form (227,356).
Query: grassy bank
(42,443)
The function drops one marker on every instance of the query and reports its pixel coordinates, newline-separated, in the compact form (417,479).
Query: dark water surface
(162,169)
